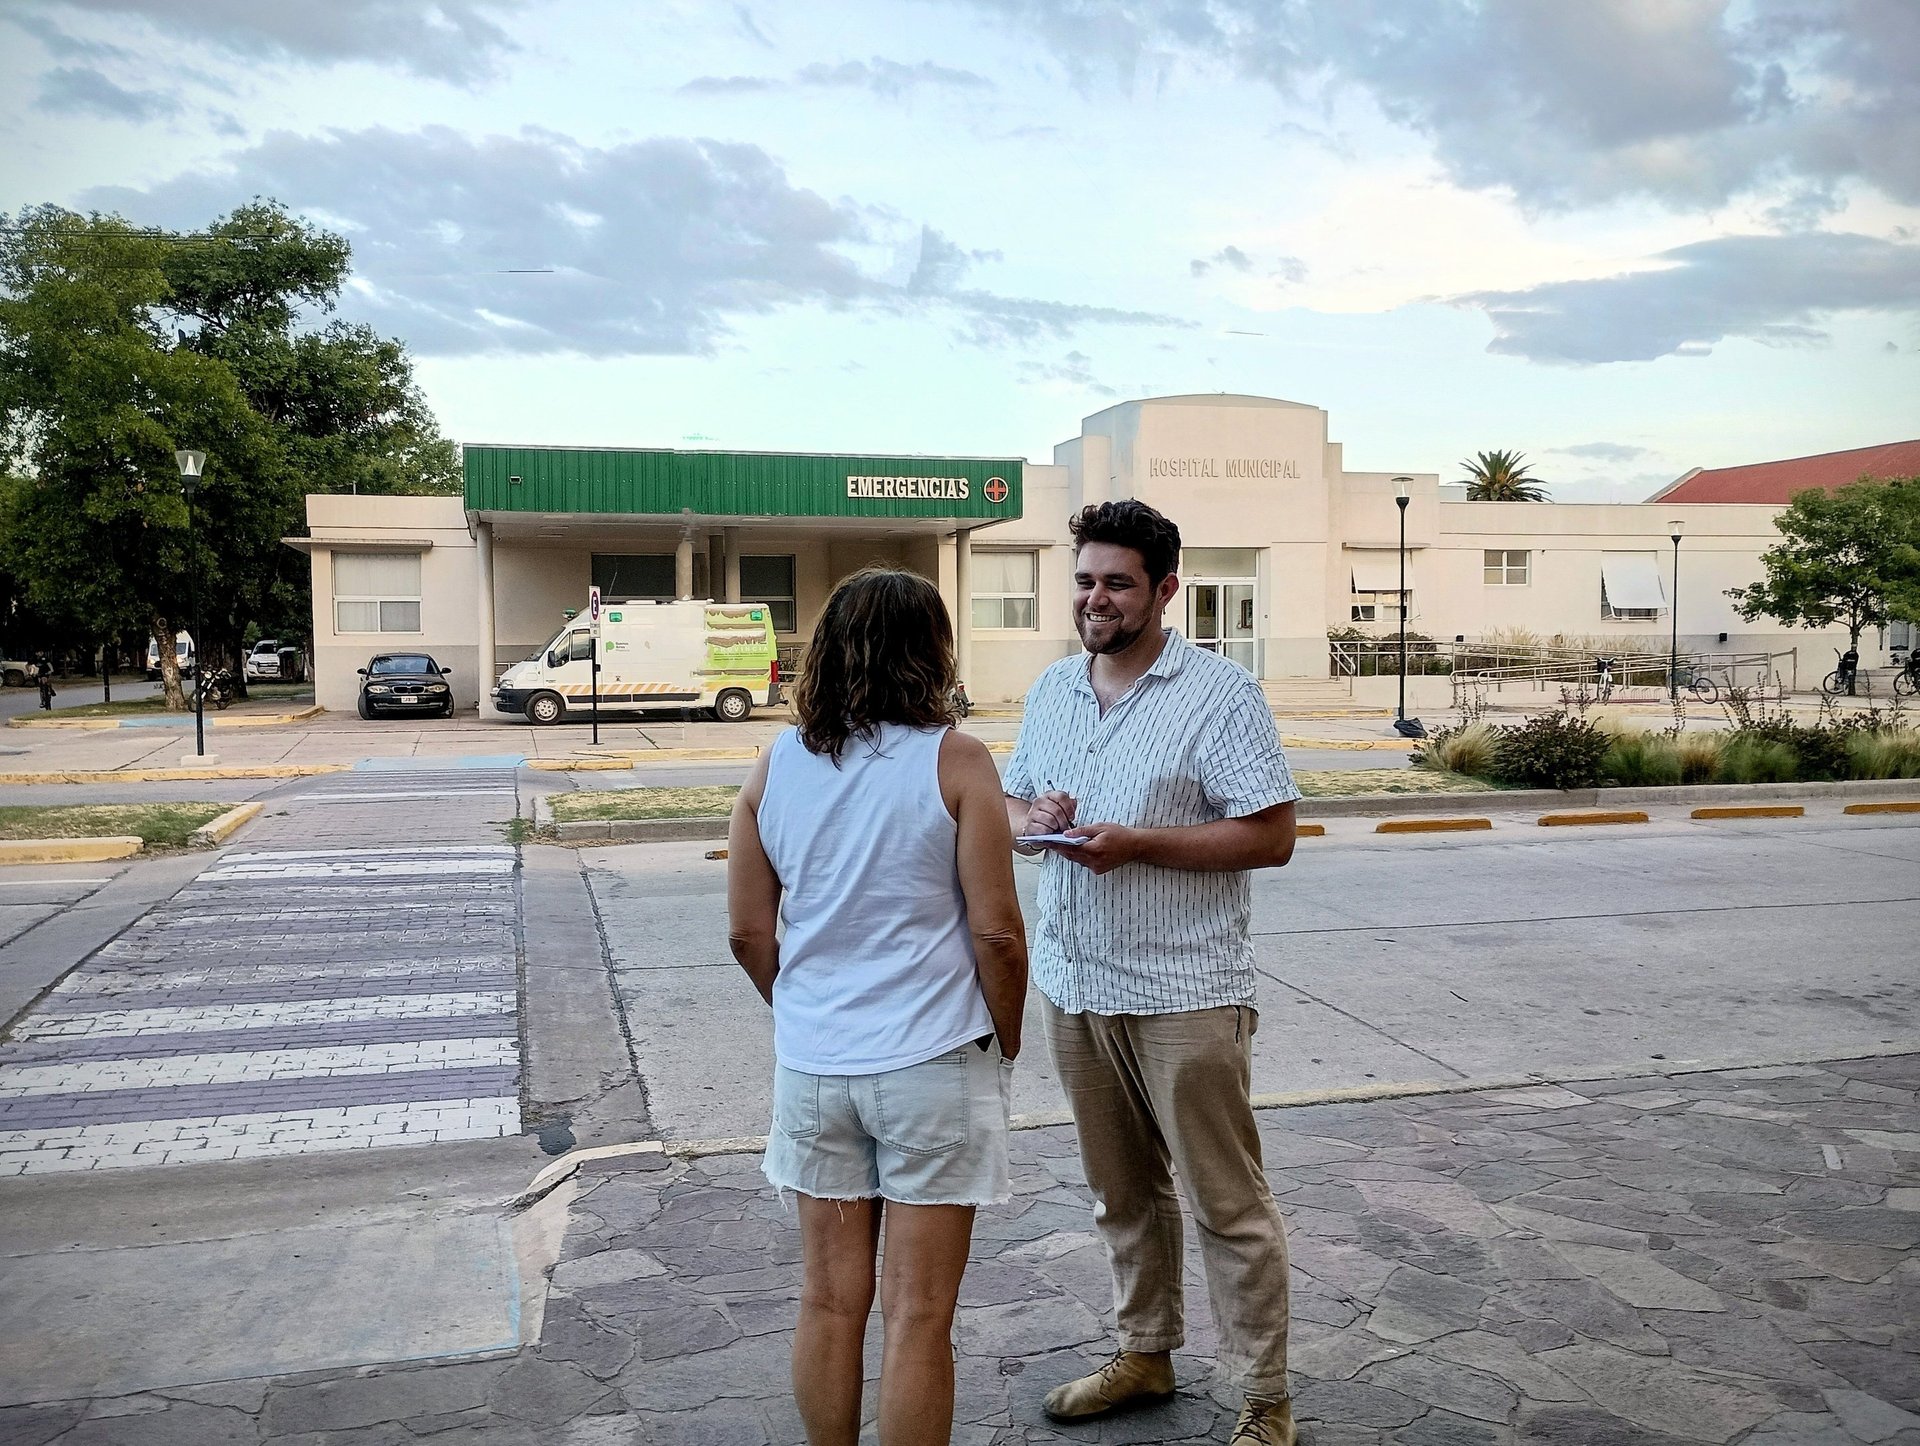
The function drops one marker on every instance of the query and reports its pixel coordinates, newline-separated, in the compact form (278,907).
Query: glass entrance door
(1220,619)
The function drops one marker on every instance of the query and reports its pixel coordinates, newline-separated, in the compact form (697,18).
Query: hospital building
(1283,543)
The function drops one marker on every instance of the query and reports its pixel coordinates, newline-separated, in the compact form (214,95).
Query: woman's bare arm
(971,787)
(753,889)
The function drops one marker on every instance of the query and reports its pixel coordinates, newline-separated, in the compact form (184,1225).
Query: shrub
(1749,758)
(1468,749)
(1641,760)
(1550,750)
(1699,756)
(1884,755)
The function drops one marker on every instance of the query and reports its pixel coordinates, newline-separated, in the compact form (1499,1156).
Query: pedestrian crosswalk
(316,989)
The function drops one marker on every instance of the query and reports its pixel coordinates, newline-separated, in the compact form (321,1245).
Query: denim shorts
(934,1133)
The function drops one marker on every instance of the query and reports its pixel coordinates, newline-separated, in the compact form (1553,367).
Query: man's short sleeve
(1243,768)
(1017,782)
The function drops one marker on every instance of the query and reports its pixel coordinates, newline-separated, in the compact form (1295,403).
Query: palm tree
(1501,477)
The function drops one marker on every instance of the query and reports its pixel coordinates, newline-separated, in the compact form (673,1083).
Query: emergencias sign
(912,489)
(647,482)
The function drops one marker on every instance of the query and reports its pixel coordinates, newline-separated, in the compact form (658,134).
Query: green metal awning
(669,484)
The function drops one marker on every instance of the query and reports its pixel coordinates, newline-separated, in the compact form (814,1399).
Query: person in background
(1162,760)
(878,836)
(43,675)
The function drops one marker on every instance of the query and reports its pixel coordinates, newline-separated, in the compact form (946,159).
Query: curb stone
(217,831)
(176,775)
(1378,805)
(243,720)
(69,850)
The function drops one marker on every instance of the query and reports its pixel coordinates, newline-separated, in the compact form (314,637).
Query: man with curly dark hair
(1161,762)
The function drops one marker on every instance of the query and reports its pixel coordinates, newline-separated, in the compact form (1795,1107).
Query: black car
(404,683)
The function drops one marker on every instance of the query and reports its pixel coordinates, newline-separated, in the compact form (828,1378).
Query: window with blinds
(376,592)
(1005,590)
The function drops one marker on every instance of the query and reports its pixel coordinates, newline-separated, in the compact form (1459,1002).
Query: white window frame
(1030,597)
(1505,572)
(1380,607)
(380,601)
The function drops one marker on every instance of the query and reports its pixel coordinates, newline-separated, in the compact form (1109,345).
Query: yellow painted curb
(580,765)
(1752,810)
(266,720)
(1000,746)
(679,755)
(1431,825)
(176,775)
(1905,805)
(242,720)
(68,850)
(1569,820)
(1309,830)
(217,831)
(1355,745)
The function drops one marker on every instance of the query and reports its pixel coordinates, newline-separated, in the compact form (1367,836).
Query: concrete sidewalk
(1699,1258)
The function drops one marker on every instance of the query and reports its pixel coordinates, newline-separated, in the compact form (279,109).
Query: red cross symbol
(996,489)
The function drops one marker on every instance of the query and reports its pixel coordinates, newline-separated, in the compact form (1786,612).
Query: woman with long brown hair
(878,836)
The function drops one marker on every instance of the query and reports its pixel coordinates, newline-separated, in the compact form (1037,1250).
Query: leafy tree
(118,346)
(1850,556)
(1502,477)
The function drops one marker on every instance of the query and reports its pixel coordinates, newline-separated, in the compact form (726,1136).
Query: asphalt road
(72,693)
(1424,958)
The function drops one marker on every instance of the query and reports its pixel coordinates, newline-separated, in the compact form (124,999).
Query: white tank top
(876,966)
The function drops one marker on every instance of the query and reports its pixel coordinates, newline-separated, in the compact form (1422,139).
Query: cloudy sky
(1625,236)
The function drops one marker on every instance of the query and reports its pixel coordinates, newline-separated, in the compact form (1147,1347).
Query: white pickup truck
(13,672)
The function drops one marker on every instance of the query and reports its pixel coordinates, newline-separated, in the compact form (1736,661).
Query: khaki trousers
(1155,1095)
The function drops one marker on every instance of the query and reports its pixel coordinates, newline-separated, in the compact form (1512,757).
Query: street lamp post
(1676,528)
(1400,500)
(192,465)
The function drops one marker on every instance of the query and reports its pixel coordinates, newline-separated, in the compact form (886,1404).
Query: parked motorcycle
(217,687)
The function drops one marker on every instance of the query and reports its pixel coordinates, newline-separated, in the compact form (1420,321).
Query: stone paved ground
(345,978)
(1724,1257)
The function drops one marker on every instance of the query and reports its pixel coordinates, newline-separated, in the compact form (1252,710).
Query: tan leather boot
(1131,1378)
(1265,1423)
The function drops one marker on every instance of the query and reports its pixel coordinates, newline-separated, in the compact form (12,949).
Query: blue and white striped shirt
(1191,741)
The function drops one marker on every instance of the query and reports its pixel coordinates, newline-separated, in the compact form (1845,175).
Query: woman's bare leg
(919,1283)
(839,1239)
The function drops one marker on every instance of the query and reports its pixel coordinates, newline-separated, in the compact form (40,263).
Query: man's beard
(1121,640)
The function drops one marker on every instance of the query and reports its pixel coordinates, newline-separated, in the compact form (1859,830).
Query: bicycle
(1603,679)
(1696,685)
(1843,678)
(1907,681)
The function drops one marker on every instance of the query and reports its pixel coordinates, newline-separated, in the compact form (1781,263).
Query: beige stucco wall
(449,618)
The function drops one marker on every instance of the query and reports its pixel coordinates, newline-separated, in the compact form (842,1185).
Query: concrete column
(683,567)
(483,566)
(963,603)
(730,560)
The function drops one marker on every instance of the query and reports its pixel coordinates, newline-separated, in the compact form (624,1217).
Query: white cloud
(537,244)
(457,40)
(1773,289)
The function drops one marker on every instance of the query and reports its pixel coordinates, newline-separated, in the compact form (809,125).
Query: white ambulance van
(718,657)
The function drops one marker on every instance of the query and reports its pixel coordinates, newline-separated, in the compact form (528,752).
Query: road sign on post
(593,667)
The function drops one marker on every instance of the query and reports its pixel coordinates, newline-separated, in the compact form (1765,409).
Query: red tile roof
(1776,482)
